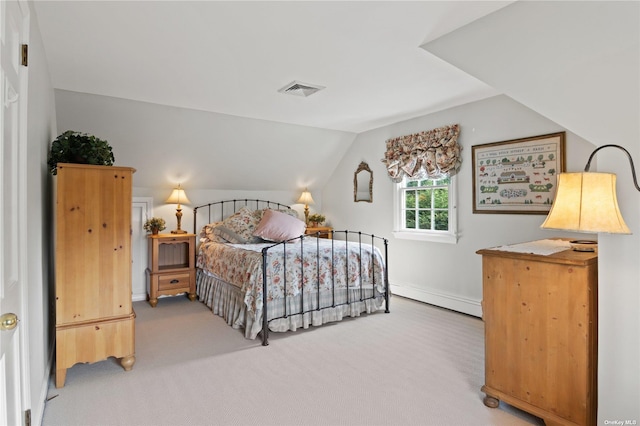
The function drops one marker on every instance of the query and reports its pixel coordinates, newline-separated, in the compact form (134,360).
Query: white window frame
(450,236)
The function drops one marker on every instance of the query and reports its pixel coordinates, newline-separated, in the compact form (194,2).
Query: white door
(12,213)
(142,209)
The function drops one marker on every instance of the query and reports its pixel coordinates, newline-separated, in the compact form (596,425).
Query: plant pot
(154,231)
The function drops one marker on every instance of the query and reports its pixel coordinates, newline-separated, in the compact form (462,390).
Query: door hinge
(25,55)
(27,418)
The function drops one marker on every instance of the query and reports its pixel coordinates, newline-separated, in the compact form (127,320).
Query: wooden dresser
(541,323)
(94,313)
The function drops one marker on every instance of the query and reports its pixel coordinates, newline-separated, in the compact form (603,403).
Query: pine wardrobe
(94,312)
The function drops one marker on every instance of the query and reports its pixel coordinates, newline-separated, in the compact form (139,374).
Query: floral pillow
(243,223)
(207,233)
(227,235)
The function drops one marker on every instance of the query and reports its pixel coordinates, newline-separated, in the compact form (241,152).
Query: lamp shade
(178,197)
(306,198)
(586,202)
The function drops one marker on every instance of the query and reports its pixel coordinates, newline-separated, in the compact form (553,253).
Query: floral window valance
(433,153)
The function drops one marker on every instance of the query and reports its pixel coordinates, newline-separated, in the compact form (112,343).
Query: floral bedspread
(295,268)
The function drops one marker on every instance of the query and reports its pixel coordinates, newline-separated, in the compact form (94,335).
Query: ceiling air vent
(300,89)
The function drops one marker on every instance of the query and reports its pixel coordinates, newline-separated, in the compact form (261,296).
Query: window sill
(434,237)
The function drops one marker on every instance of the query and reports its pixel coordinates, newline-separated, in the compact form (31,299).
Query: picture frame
(517,176)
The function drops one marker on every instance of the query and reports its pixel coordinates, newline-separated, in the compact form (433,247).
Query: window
(425,209)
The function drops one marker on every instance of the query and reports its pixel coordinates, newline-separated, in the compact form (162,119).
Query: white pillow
(277,226)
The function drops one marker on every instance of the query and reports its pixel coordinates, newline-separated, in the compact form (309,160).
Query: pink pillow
(277,226)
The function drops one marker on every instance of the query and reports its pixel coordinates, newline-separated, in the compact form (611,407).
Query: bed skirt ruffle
(227,301)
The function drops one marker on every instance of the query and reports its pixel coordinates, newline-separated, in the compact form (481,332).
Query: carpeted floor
(418,365)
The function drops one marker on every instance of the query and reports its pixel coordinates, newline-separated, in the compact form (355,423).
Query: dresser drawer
(94,341)
(171,281)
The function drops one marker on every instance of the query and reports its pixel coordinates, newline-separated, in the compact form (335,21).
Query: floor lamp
(587,201)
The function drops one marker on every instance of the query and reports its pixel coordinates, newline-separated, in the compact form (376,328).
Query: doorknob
(8,322)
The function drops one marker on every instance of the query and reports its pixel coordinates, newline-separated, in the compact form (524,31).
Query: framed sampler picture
(517,176)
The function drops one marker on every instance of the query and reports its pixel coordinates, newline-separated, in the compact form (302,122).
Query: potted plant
(316,219)
(154,225)
(82,148)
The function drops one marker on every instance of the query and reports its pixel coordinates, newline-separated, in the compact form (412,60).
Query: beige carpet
(418,365)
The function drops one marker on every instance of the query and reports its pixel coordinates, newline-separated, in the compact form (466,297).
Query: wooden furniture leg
(61,376)
(127,362)
(491,402)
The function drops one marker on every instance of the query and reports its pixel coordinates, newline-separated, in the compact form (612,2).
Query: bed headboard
(219,210)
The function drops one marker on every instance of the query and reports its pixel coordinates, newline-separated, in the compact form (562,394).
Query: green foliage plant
(156,223)
(76,147)
(317,218)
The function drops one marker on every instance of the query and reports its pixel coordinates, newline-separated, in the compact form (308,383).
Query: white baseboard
(448,301)
(137,297)
(444,300)
(37,407)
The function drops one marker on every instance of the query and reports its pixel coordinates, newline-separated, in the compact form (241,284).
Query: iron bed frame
(238,203)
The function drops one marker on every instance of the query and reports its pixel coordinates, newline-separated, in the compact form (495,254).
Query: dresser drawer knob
(175,281)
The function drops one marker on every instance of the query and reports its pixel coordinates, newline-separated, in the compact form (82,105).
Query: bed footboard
(352,240)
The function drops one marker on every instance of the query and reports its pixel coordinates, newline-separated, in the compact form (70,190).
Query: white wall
(41,130)
(447,275)
(578,63)
(204,196)
(169,145)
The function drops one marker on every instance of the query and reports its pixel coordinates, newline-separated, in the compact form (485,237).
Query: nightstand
(171,268)
(325,231)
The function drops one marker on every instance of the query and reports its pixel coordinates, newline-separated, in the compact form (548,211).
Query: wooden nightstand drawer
(174,281)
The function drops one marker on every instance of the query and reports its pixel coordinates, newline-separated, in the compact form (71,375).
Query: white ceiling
(233,57)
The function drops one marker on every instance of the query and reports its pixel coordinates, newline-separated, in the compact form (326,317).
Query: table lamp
(306,199)
(178,197)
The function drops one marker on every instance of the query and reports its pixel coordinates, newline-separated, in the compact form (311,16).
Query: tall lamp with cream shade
(587,201)
(306,199)
(178,197)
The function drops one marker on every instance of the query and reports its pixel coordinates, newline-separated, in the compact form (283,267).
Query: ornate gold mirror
(363,184)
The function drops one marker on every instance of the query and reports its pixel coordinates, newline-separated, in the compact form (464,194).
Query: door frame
(139,247)
(22,236)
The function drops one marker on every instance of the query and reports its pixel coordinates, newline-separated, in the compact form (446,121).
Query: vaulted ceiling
(233,57)
(185,77)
